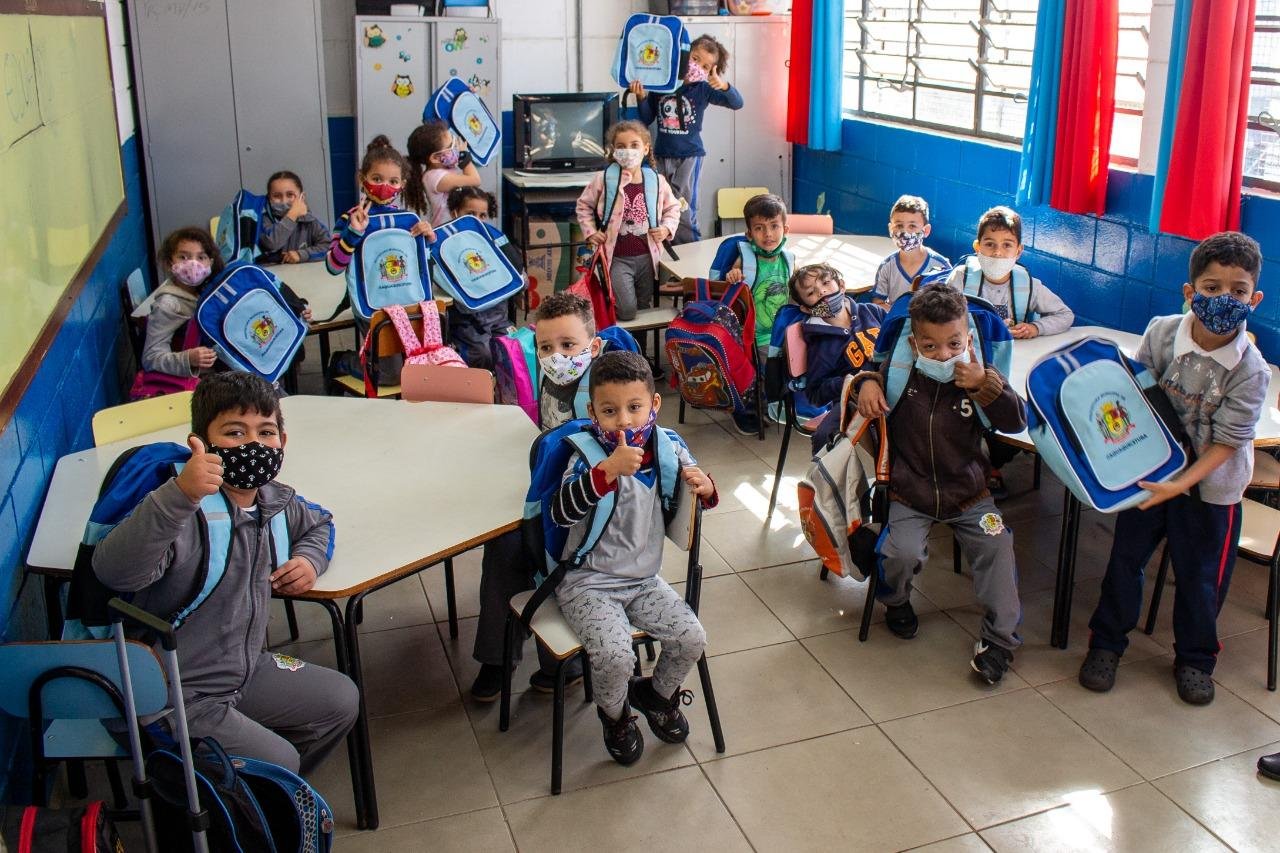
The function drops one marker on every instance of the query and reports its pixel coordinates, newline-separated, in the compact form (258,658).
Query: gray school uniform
(892,279)
(172,308)
(1053,315)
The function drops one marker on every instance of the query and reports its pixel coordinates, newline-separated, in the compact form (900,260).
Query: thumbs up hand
(202,475)
(624,461)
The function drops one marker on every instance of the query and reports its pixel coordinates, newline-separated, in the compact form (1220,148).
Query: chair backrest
(120,422)
(136,288)
(811,223)
(74,698)
(213,224)
(797,350)
(388,342)
(730,200)
(440,384)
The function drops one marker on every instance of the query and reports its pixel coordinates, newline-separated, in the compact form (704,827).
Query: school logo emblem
(473,124)
(649,54)
(475,263)
(262,330)
(288,662)
(393,268)
(1113,420)
(991,523)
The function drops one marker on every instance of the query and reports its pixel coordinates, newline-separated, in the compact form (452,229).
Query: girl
(471,331)
(437,166)
(630,245)
(289,234)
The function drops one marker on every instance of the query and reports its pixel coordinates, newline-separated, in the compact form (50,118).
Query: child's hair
(824,271)
(458,196)
(1229,248)
(711,45)
(285,175)
(937,303)
(619,366)
(913,204)
(764,206)
(427,138)
(380,150)
(1001,218)
(232,390)
(562,304)
(196,235)
(635,127)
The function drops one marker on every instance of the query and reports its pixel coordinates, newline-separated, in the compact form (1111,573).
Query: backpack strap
(668,471)
(650,178)
(748,262)
(217,513)
(1019,293)
(612,183)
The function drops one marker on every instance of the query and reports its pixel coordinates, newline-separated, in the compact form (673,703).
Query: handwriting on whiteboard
(175,8)
(21,112)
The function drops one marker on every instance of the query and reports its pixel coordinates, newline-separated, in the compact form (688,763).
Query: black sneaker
(664,716)
(545,682)
(488,684)
(622,736)
(746,423)
(1195,686)
(902,620)
(1098,672)
(990,662)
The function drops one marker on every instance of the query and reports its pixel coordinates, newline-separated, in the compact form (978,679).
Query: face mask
(695,74)
(941,371)
(635,437)
(628,158)
(1221,314)
(996,269)
(191,272)
(908,241)
(381,193)
(449,158)
(828,306)
(279,210)
(770,253)
(250,465)
(563,369)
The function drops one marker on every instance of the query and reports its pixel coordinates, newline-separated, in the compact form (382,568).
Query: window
(1262,139)
(1131,82)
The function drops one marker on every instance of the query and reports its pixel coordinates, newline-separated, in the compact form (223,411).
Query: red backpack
(711,346)
(595,286)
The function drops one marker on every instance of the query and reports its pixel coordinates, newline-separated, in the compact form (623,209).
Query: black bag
(81,830)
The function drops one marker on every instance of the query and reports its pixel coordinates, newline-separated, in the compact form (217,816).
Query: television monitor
(562,132)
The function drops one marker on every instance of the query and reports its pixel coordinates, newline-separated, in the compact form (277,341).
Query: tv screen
(562,132)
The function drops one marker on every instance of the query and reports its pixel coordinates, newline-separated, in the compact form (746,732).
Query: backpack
(596,286)
(654,51)
(1101,423)
(518,377)
(470,266)
(458,106)
(1020,288)
(738,246)
(87,829)
(784,366)
(248,322)
(237,236)
(711,347)
(430,349)
(389,266)
(155,383)
(136,473)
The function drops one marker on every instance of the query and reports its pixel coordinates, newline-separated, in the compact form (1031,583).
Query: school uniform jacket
(172,308)
(832,353)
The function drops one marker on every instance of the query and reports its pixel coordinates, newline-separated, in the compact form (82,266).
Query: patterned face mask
(1221,314)
(635,437)
(908,241)
(381,193)
(191,272)
(828,306)
(628,158)
(449,158)
(249,466)
(563,369)
(695,74)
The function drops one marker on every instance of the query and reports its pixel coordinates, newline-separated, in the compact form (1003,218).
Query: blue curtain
(1035,175)
(1172,94)
(826,75)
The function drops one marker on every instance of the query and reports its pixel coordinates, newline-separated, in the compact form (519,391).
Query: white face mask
(628,158)
(941,371)
(564,369)
(996,269)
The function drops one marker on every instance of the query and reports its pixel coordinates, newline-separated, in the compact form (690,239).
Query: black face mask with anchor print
(251,465)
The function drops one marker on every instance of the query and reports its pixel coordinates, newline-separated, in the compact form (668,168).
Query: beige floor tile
(466,583)
(784,798)
(676,811)
(675,563)
(406,670)
(890,677)
(742,483)
(1007,756)
(746,542)
(939,583)
(970,843)
(1242,669)
(766,697)
(397,606)
(465,668)
(483,830)
(1231,799)
(734,618)
(1143,721)
(1138,819)
(1240,613)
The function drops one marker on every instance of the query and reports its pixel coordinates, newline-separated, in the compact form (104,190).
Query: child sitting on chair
(290,233)
(617,585)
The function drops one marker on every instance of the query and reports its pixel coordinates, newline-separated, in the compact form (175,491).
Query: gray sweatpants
(985,542)
(603,619)
(633,284)
(684,174)
(291,718)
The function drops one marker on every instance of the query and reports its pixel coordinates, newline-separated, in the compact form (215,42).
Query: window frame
(1271,24)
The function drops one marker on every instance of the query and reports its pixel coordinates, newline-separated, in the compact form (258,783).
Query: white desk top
(856,256)
(313,283)
(547,180)
(401,480)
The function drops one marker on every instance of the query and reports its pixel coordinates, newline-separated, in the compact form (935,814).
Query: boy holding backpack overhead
(1216,380)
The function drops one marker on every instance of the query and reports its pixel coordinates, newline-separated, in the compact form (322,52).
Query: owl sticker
(402,86)
(373,36)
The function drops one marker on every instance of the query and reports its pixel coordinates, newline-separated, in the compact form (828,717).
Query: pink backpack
(430,349)
(153,383)
(515,369)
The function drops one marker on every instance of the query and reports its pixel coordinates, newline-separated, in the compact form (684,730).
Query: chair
(553,633)
(143,416)
(133,291)
(213,224)
(420,383)
(811,223)
(781,371)
(729,203)
(386,342)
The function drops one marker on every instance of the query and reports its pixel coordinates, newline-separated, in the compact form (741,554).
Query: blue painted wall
(78,376)
(1111,270)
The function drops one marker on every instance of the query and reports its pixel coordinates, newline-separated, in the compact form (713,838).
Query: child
(939,472)
(436,167)
(617,585)
(631,246)
(839,336)
(272,707)
(1216,380)
(471,331)
(289,233)
(679,149)
(908,226)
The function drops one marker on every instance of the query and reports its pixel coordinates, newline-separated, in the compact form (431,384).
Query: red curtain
(1086,106)
(798,79)
(1206,161)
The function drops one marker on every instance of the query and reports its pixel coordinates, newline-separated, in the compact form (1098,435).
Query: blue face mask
(941,371)
(1221,314)
(635,437)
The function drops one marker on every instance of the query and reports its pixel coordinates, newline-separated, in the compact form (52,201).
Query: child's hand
(290,257)
(636,88)
(971,374)
(624,461)
(202,475)
(1160,492)
(871,401)
(1024,331)
(201,357)
(298,209)
(422,228)
(733,276)
(716,82)
(597,238)
(659,234)
(306,315)
(699,481)
(295,577)
(359,218)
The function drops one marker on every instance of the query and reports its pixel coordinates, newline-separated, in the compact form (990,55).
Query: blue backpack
(711,348)
(237,236)
(653,51)
(470,266)
(249,323)
(1019,293)
(518,376)
(457,106)
(738,246)
(1102,424)
(390,265)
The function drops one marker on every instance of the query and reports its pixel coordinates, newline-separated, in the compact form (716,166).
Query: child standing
(908,226)
(631,246)
(939,472)
(472,330)
(679,114)
(1216,380)
(438,163)
(289,233)
(617,585)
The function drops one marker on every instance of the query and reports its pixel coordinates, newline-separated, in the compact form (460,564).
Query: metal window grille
(1262,138)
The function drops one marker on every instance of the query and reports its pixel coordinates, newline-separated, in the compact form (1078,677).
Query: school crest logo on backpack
(649,54)
(392,265)
(474,261)
(262,329)
(1112,418)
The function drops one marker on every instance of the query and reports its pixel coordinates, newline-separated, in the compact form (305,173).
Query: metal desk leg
(353,740)
(1065,582)
(361,728)
(53,606)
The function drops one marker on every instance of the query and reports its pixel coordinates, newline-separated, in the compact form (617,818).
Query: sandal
(1195,686)
(1098,672)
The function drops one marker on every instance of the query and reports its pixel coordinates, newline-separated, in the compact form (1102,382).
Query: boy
(939,472)
(1216,380)
(618,584)
(908,226)
(839,336)
(268,706)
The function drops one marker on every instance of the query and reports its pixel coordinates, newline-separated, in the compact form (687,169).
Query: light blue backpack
(457,106)
(238,226)
(653,51)
(248,322)
(389,266)
(469,264)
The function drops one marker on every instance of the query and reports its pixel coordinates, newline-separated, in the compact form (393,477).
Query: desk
(856,256)
(540,189)
(378,541)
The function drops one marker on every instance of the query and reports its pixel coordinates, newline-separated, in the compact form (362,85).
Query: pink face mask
(695,73)
(191,272)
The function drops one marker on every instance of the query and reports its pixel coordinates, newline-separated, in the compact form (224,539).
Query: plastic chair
(386,342)
(729,203)
(213,224)
(811,223)
(130,419)
(421,383)
(790,365)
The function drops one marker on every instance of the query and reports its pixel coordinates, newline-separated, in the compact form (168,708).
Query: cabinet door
(717,129)
(393,78)
(469,49)
(761,153)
